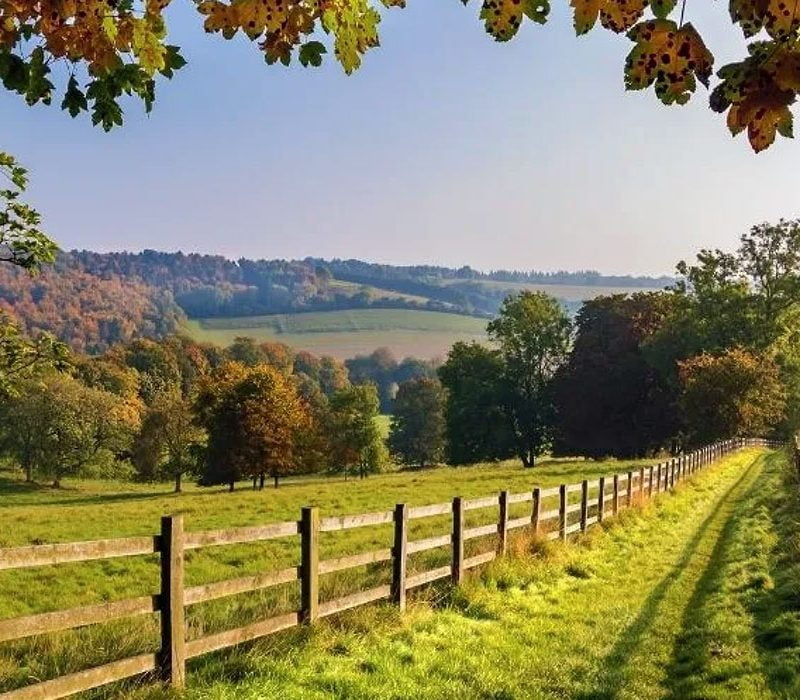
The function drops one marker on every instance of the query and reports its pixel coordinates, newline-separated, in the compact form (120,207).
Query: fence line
(169,662)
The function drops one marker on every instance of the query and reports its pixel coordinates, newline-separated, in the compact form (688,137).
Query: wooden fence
(551,515)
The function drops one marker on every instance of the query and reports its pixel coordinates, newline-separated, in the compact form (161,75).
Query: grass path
(696,597)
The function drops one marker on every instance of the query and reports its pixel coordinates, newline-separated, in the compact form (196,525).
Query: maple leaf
(763,114)
(669,58)
(354,25)
(502,18)
(615,15)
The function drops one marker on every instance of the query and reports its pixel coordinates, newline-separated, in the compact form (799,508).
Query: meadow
(346,333)
(565,292)
(692,595)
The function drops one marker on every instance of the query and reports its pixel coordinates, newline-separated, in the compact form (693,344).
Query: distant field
(567,292)
(345,334)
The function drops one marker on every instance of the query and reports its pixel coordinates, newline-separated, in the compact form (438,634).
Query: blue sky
(445,147)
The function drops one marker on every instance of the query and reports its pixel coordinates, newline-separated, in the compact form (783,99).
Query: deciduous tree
(417,433)
(355,440)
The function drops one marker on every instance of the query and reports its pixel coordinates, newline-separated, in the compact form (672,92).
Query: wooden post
(658,478)
(601,498)
(536,510)
(641,484)
(629,492)
(502,524)
(172,655)
(650,483)
(457,568)
(400,555)
(615,497)
(672,473)
(562,512)
(309,564)
(584,504)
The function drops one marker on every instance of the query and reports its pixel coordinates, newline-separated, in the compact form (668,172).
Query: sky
(445,147)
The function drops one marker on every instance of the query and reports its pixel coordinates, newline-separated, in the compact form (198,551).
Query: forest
(94,300)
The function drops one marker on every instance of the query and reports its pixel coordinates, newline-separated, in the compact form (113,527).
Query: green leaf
(311,53)
(74,100)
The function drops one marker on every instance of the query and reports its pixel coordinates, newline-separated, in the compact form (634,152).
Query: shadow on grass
(616,664)
(777,610)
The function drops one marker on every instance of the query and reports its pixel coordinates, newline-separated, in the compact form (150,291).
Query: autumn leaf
(669,58)
(616,15)
(764,115)
(502,18)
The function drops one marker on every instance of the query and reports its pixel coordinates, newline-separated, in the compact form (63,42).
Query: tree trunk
(526,462)
(177,482)
(255,482)
(28,473)
(275,478)
(57,482)
(231,485)
(261,481)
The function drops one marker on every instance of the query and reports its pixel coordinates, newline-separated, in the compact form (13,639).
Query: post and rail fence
(168,663)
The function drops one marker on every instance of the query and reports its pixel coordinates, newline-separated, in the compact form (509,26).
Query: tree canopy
(110,48)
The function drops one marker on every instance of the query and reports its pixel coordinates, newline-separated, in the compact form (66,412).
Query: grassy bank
(696,597)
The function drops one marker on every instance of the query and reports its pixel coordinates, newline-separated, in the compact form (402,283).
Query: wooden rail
(169,661)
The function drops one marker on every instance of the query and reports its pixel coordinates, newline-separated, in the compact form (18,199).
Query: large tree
(417,434)
(737,393)
(476,426)
(532,332)
(354,438)
(252,416)
(611,399)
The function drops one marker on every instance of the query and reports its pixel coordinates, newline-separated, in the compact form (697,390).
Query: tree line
(715,356)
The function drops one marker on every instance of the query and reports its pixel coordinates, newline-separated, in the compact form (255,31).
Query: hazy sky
(445,147)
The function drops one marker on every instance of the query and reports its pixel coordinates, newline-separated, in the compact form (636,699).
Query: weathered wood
(601,500)
(573,508)
(172,655)
(641,484)
(457,567)
(63,553)
(615,496)
(591,521)
(348,522)
(575,527)
(19,627)
(502,523)
(584,504)
(240,535)
(245,584)
(309,564)
(229,638)
(328,566)
(429,543)
(536,510)
(515,523)
(479,531)
(658,477)
(428,577)
(629,490)
(549,515)
(479,559)
(84,680)
(428,511)
(650,482)
(552,491)
(519,497)
(476,503)
(331,607)
(562,512)
(400,555)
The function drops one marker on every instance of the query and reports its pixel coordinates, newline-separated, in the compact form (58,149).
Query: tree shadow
(615,666)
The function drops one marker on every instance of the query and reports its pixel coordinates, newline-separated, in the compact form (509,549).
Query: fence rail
(169,662)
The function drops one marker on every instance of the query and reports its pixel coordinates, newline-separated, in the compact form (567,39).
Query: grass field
(565,292)
(345,334)
(693,598)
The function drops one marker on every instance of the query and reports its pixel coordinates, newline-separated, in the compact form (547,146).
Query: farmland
(347,333)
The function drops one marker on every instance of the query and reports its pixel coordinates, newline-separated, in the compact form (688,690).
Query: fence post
(399,555)
(629,492)
(457,568)
(584,504)
(641,484)
(172,655)
(502,524)
(601,499)
(562,512)
(672,474)
(615,497)
(536,510)
(650,483)
(309,564)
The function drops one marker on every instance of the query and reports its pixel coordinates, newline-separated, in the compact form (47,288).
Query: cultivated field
(565,292)
(344,334)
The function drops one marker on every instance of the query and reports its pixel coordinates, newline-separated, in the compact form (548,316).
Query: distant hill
(93,300)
